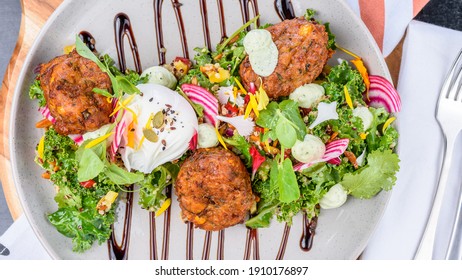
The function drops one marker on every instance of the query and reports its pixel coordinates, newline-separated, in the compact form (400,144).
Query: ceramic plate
(341,233)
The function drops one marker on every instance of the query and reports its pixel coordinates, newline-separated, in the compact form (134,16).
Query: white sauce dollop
(334,198)
(207,137)
(365,115)
(308,150)
(263,53)
(160,76)
(308,95)
(173,140)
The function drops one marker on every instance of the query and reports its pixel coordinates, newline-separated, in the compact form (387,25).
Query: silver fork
(449,116)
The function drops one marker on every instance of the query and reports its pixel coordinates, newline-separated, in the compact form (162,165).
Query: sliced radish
(383,94)
(333,150)
(78,138)
(45,111)
(204,98)
(119,131)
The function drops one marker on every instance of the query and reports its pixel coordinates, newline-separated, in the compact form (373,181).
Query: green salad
(305,152)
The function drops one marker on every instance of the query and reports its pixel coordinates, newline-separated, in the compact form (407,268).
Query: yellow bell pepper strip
(240,86)
(68,49)
(98,140)
(348,52)
(164,207)
(387,124)
(220,139)
(347,97)
(41,147)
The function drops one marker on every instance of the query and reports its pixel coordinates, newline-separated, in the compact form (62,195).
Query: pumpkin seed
(150,135)
(158,120)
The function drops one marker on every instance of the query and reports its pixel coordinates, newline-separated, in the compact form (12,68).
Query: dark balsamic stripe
(159,30)
(122,28)
(189,241)
(153,236)
(284,9)
(179,19)
(166,232)
(252,241)
(88,39)
(246,12)
(283,246)
(205,23)
(221,15)
(221,245)
(207,242)
(309,230)
(116,251)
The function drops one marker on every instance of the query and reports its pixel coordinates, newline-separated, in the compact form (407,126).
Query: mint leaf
(90,166)
(379,174)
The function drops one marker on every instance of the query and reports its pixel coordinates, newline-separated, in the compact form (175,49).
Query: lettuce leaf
(379,174)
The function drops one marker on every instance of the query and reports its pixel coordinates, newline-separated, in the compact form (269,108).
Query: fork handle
(454,251)
(425,250)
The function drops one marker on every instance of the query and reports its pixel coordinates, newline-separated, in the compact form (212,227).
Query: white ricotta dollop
(207,137)
(308,95)
(263,53)
(365,115)
(308,150)
(334,198)
(173,138)
(160,76)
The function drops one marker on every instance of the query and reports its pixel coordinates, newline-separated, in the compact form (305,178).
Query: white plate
(341,233)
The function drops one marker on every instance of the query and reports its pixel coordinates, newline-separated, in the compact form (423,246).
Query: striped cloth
(387,20)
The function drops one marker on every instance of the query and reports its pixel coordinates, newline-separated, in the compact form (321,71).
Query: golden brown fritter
(303,53)
(67,82)
(213,189)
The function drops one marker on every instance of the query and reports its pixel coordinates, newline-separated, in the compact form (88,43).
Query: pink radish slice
(45,111)
(78,138)
(333,150)
(383,94)
(204,98)
(119,131)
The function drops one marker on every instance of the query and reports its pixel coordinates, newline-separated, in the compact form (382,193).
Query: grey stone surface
(446,13)
(10,15)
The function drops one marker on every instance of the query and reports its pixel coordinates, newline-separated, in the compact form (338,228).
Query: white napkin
(20,243)
(428,54)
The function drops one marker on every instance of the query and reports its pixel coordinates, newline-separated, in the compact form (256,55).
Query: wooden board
(34,15)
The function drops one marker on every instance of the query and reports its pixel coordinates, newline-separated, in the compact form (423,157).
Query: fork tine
(450,80)
(455,89)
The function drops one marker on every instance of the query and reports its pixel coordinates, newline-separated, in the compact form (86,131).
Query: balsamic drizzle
(284,9)
(309,230)
(122,28)
(116,251)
